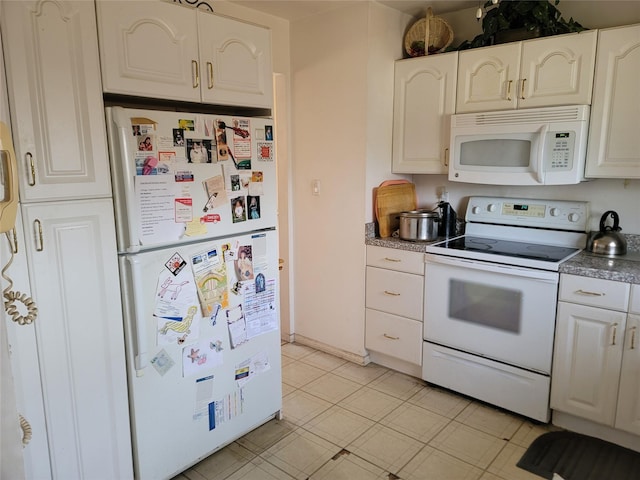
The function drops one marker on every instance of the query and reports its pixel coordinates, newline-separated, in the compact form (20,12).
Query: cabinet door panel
(586,362)
(149,49)
(557,71)
(53,75)
(614,144)
(487,78)
(424,99)
(24,360)
(235,59)
(74,274)
(628,412)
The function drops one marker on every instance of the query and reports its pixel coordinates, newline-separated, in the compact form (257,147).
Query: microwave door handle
(541,142)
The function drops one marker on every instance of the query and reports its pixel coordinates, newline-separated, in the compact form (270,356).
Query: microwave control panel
(560,147)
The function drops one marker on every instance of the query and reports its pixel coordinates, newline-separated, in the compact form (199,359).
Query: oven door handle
(542,275)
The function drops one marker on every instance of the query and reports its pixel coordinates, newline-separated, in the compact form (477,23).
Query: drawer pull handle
(633,338)
(615,330)
(390,337)
(392,259)
(591,294)
(393,294)
(509,90)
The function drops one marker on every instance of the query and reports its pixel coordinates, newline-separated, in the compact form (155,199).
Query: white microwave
(533,146)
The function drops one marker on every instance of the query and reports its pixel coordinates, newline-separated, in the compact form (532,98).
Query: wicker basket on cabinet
(433,32)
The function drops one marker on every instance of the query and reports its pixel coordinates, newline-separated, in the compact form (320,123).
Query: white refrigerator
(195,203)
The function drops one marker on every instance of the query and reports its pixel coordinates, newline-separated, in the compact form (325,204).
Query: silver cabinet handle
(591,294)
(613,337)
(32,167)
(446,157)
(392,259)
(39,239)
(393,294)
(522,88)
(390,337)
(509,89)
(633,338)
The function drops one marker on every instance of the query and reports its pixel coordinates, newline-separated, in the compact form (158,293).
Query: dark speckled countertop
(625,268)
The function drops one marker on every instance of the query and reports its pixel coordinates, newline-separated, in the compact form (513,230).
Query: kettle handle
(616,221)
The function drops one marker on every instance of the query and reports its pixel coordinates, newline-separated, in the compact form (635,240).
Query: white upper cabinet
(424,99)
(149,49)
(235,58)
(168,51)
(544,72)
(614,144)
(53,75)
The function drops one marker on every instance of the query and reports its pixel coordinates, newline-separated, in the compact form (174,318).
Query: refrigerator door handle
(139,331)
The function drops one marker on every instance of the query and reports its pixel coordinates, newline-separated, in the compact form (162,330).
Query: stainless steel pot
(607,241)
(419,225)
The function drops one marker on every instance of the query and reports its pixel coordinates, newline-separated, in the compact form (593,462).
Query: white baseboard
(287,337)
(323,347)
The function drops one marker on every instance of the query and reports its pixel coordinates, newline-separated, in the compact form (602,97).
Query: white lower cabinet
(21,332)
(73,269)
(394,305)
(596,366)
(628,411)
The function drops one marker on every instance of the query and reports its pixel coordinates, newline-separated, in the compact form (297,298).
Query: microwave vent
(531,115)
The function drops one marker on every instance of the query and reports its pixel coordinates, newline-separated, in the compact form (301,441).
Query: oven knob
(554,212)
(574,217)
(492,207)
(475,210)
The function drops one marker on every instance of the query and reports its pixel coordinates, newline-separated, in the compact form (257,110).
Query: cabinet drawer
(394,336)
(394,259)
(634,306)
(594,292)
(395,292)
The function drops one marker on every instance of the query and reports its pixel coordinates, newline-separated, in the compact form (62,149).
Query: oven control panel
(528,212)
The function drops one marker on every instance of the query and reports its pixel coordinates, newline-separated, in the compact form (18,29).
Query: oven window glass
(485,305)
(496,153)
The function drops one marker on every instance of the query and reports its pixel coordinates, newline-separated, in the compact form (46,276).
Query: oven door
(501,312)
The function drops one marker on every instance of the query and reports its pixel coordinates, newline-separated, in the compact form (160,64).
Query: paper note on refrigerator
(201,356)
(156,196)
(237,326)
(210,272)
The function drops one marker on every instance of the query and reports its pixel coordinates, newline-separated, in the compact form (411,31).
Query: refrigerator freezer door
(199,381)
(182,177)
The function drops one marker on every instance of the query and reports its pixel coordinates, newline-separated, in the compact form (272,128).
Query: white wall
(329,105)
(342,83)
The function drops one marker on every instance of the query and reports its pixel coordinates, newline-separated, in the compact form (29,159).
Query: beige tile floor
(347,422)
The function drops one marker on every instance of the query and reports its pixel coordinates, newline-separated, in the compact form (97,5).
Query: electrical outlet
(442,194)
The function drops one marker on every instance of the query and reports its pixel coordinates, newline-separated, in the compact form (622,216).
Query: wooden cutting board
(391,198)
